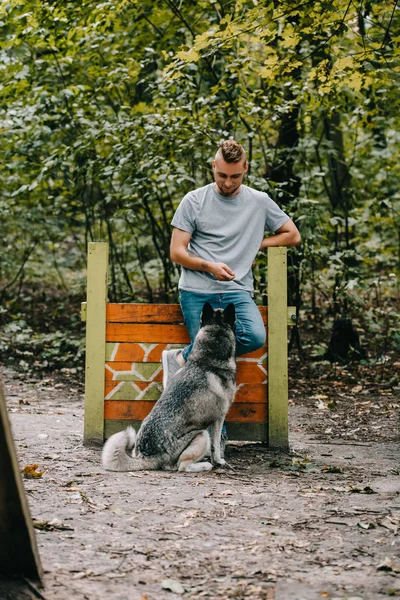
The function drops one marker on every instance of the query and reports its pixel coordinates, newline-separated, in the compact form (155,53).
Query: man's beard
(227,194)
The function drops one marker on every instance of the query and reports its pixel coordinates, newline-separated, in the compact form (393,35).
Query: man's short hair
(232,152)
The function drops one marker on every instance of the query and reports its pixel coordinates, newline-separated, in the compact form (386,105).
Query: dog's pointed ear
(207,314)
(230,315)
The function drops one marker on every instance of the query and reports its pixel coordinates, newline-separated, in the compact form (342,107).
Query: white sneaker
(170,365)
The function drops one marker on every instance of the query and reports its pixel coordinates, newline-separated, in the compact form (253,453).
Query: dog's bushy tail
(117,452)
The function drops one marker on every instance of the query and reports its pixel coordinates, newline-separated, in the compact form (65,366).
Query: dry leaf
(357,389)
(389,565)
(53,524)
(173,586)
(30,472)
(389,523)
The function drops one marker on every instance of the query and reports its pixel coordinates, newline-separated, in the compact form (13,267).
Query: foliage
(111,112)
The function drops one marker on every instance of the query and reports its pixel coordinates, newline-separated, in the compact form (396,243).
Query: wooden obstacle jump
(124,342)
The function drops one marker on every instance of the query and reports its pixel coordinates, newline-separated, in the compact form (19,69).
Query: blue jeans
(250,329)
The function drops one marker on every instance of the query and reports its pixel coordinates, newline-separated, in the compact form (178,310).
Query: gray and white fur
(175,435)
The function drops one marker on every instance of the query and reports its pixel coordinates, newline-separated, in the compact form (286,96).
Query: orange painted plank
(251,393)
(247,413)
(137,411)
(255,354)
(151,313)
(246,372)
(134,353)
(144,313)
(126,332)
(250,373)
(167,334)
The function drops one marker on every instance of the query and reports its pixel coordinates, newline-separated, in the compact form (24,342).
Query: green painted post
(277,349)
(95,342)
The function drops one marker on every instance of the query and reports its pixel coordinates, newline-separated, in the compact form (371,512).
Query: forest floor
(321,521)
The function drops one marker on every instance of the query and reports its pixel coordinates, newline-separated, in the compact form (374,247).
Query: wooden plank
(251,373)
(19,555)
(110,385)
(247,412)
(95,342)
(247,432)
(152,313)
(277,349)
(151,352)
(247,393)
(162,313)
(111,427)
(127,332)
(247,372)
(138,410)
(251,432)
(137,371)
(144,313)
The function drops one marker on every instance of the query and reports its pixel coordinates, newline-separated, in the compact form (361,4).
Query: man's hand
(221,271)
(182,256)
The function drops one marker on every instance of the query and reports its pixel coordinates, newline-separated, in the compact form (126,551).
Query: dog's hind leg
(216,429)
(195,451)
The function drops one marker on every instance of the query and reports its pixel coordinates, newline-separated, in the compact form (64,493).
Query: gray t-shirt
(228,230)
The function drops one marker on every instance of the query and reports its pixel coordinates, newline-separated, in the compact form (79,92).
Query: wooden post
(95,342)
(18,551)
(277,349)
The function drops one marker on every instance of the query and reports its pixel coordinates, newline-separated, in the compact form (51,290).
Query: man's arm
(287,235)
(181,255)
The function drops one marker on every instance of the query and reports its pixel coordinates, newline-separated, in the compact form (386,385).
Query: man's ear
(207,314)
(230,315)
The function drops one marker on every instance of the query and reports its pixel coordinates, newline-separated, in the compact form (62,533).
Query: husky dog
(175,434)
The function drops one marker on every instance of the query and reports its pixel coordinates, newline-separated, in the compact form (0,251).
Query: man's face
(228,176)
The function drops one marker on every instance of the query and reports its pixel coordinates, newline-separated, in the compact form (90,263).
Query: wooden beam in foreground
(19,555)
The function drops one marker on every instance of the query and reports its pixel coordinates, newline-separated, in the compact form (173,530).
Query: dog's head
(216,338)
(209,316)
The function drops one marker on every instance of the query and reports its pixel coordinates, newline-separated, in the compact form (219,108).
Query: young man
(218,231)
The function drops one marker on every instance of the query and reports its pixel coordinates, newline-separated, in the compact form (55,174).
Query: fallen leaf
(30,472)
(389,523)
(321,405)
(357,389)
(82,574)
(365,525)
(51,525)
(331,469)
(389,565)
(366,490)
(173,586)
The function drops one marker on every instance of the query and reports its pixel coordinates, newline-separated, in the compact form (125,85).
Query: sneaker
(170,365)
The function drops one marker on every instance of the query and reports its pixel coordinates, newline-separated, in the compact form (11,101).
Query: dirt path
(320,522)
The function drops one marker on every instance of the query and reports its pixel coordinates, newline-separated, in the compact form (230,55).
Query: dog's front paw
(220,463)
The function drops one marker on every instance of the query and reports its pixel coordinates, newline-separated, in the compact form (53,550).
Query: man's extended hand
(222,272)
